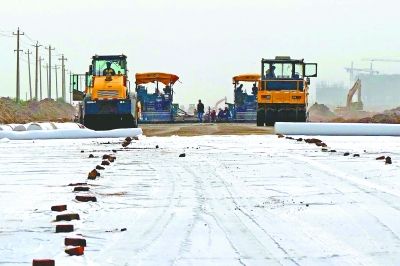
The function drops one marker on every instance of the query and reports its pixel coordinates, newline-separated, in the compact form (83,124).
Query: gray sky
(204,42)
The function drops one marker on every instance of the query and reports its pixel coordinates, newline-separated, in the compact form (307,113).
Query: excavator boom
(354,105)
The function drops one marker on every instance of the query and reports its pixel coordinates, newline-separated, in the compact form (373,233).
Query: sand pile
(24,112)
(320,113)
(391,116)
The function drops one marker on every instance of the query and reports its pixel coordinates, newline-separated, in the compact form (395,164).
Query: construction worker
(254,90)
(200,111)
(270,73)
(220,114)
(227,113)
(109,71)
(213,116)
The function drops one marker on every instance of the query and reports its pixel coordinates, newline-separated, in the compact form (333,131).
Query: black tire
(301,116)
(260,117)
(270,117)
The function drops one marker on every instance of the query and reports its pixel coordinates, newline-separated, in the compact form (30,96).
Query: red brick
(75,242)
(64,228)
(93,174)
(81,188)
(59,208)
(43,262)
(86,198)
(98,167)
(77,184)
(67,217)
(77,251)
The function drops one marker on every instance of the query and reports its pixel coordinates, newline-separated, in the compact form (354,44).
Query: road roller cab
(283,91)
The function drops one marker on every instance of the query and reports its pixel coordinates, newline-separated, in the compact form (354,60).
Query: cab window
(283,71)
(119,66)
(298,71)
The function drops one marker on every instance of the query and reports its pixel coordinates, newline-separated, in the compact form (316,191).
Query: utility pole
(40,77)
(47,78)
(29,71)
(36,70)
(55,68)
(49,72)
(64,94)
(70,87)
(18,50)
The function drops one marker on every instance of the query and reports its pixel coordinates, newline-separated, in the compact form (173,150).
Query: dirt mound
(320,113)
(391,116)
(24,112)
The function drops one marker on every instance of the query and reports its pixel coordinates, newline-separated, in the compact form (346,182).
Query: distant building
(332,95)
(380,91)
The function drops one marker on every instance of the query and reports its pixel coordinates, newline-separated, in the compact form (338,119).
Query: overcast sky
(204,42)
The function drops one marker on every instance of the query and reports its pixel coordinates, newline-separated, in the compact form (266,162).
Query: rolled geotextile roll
(66,125)
(19,128)
(40,126)
(70,134)
(337,129)
(5,128)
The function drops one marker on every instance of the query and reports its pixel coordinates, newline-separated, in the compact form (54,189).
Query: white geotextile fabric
(70,134)
(337,129)
(5,128)
(40,126)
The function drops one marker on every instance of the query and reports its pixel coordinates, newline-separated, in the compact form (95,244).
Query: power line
(26,43)
(5,35)
(26,61)
(27,36)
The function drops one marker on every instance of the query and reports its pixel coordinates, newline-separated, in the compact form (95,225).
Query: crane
(354,71)
(372,60)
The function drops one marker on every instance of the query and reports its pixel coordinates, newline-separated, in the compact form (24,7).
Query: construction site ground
(198,129)
(203,200)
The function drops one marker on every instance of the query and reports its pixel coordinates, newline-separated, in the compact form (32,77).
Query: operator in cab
(270,73)
(109,71)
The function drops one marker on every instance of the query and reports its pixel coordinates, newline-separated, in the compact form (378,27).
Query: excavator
(352,107)
(283,91)
(107,101)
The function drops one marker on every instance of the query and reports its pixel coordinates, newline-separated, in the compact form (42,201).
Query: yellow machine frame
(108,87)
(283,96)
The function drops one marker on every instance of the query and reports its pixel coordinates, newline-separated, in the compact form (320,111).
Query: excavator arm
(356,88)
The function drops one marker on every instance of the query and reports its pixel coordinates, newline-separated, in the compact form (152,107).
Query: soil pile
(29,111)
(320,113)
(391,116)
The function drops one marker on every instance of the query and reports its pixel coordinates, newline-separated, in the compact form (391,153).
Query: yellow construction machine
(283,91)
(107,101)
